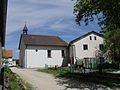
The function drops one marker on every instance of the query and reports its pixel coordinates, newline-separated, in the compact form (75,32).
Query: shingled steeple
(25,29)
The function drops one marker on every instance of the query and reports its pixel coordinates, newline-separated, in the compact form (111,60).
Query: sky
(43,17)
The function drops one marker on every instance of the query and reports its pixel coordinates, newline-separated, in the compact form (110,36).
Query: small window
(36,50)
(90,37)
(95,38)
(101,46)
(85,47)
(49,53)
(63,53)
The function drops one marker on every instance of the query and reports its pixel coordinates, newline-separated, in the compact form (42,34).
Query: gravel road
(44,81)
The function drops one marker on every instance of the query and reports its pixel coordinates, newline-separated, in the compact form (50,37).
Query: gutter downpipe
(26,57)
(71,56)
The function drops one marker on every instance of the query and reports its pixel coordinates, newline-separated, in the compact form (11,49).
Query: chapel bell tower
(25,29)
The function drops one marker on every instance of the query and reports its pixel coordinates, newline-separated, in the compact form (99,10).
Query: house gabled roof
(42,40)
(81,37)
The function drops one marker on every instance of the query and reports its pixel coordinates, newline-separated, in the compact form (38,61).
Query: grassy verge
(107,70)
(107,79)
(110,70)
(15,82)
(54,71)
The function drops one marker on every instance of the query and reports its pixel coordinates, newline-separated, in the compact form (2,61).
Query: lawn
(54,71)
(15,82)
(107,70)
(105,78)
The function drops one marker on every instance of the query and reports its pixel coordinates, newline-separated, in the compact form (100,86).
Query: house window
(95,38)
(85,47)
(49,53)
(36,50)
(63,53)
(101,46)
(90,37)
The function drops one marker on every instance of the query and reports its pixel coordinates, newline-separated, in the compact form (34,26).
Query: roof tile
(43,40)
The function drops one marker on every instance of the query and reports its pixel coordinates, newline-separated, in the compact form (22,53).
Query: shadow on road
(79,84)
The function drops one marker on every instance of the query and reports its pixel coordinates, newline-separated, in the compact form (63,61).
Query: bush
(106,65)
(115,65)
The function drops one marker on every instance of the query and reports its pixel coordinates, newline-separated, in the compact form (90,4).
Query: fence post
(2,74)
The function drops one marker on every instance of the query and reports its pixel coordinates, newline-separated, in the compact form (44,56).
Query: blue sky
(43,17)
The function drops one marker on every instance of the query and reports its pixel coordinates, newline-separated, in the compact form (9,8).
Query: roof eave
(20,42)
(81,37)
(46,45)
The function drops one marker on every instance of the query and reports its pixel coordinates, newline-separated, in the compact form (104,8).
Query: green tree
(106,11)
(108,15)
(112,44)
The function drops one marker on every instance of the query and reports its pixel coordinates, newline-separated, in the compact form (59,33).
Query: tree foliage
(112,43)
(108,15)
(106,11)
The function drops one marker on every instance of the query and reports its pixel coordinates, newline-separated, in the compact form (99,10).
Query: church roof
(42,40)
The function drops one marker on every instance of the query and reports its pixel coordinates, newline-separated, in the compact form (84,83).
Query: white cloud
(38,13)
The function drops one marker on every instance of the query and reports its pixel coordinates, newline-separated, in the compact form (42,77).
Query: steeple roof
(25,28)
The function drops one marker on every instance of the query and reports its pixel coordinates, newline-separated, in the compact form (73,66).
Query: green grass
(107,70)
(108,79)
(15,81)
(54,71)
(110,70)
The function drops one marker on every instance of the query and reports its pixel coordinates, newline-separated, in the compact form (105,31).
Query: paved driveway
(44,81)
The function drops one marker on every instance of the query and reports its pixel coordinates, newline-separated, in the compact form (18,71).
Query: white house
(40,51)
(85,48)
